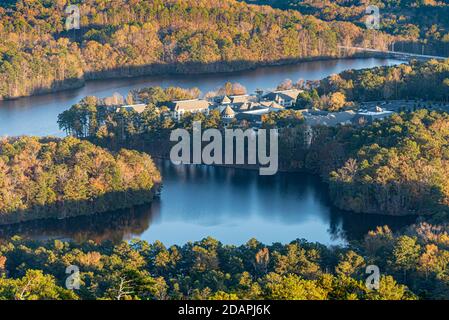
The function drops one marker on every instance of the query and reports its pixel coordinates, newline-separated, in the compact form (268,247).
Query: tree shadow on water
(114,226)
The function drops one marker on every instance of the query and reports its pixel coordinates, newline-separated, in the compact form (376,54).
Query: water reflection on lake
(231,205)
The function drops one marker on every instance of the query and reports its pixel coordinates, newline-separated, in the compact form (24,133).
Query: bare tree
(124,288)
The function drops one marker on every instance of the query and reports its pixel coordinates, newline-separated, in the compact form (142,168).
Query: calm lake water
(37,115)
(231,205)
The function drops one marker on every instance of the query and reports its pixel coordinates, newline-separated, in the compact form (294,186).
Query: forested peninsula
(122,38)
(53,178)
(398,166)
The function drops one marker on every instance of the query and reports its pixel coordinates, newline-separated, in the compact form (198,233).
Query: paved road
(397,53)
(401,105)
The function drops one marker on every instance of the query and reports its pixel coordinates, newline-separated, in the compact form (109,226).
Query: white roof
(190,105)
(257,111)
(139,108)
(375,113)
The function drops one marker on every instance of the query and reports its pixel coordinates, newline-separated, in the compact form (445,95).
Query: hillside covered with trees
(413,265)
(399,166)
(418,81)
(52,178)
(130,38)
(419,27)
(415,81)
(411,19)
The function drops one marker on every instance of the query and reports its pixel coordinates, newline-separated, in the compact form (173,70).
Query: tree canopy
(131,38)
(52,178)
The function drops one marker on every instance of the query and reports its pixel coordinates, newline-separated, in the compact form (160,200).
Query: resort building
(252,108)
(323,118)
(246,98)
(224,100)
(272,106)
(227,114)
(234,100)
(367,116)
(254,118)
(178,108)
(285,98)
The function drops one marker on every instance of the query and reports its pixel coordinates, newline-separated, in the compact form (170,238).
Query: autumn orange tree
(130,38)
(52,178)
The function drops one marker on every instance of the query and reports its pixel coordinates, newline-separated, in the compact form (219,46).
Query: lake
(38,115)
(231,205)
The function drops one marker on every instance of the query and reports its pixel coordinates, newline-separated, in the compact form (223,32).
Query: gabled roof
(225,99)
(139,108)
(228,111)
(328,118)
(256,106)
(243,98)
(291,94)
(242,107)
(189,105)
(272,105)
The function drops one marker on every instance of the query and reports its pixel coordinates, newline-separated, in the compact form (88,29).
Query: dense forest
(412,265)
(420,27)
(412,19)
(415,81)
(135,37)
(399,166)
(52,178)
(390,156)
(424,84)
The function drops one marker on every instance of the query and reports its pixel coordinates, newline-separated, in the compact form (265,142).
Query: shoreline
(286,171)
(82,82)
(130,213)
(20,217)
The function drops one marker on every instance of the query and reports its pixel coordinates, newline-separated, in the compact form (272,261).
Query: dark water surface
(37,115)
(231,205)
